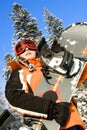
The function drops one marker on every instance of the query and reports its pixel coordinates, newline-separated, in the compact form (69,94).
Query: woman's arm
(28,104)
(18,98)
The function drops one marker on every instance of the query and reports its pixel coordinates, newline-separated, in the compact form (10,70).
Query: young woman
(27,73)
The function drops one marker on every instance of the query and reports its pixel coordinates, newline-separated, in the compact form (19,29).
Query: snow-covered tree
(53,26)
(6,70)
(24,24)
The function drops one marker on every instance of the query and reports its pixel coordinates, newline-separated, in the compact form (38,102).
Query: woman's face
(28,54)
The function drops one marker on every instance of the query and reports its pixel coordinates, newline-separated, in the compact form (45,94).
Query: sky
(69,11)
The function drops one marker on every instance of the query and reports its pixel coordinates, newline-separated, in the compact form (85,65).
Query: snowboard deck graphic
(74,39)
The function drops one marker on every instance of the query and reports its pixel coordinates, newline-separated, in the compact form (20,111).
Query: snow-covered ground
(81,97)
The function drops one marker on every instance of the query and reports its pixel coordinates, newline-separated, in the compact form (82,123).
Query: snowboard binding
(59,59)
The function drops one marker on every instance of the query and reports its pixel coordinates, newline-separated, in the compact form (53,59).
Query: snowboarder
(26,74)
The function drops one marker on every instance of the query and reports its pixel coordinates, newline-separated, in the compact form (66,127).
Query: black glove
(59,112)
(56,48)
(42,42)
(52,95)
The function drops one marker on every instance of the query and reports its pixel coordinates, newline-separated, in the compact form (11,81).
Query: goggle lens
(20,47)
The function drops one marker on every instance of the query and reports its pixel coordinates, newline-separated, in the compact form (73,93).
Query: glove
(56,48)
(52,95)
(42,42)
(59,111)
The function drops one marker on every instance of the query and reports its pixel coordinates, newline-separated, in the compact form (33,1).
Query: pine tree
(6,69)
(24,24)
(53,26)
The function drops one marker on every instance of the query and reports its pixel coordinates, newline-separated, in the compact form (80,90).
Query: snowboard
(74,39)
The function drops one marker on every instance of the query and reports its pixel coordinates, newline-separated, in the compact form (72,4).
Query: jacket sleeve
(26,101)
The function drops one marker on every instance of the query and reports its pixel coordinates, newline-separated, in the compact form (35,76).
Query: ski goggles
(22,45)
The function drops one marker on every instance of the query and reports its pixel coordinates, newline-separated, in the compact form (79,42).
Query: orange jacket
(74,118)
